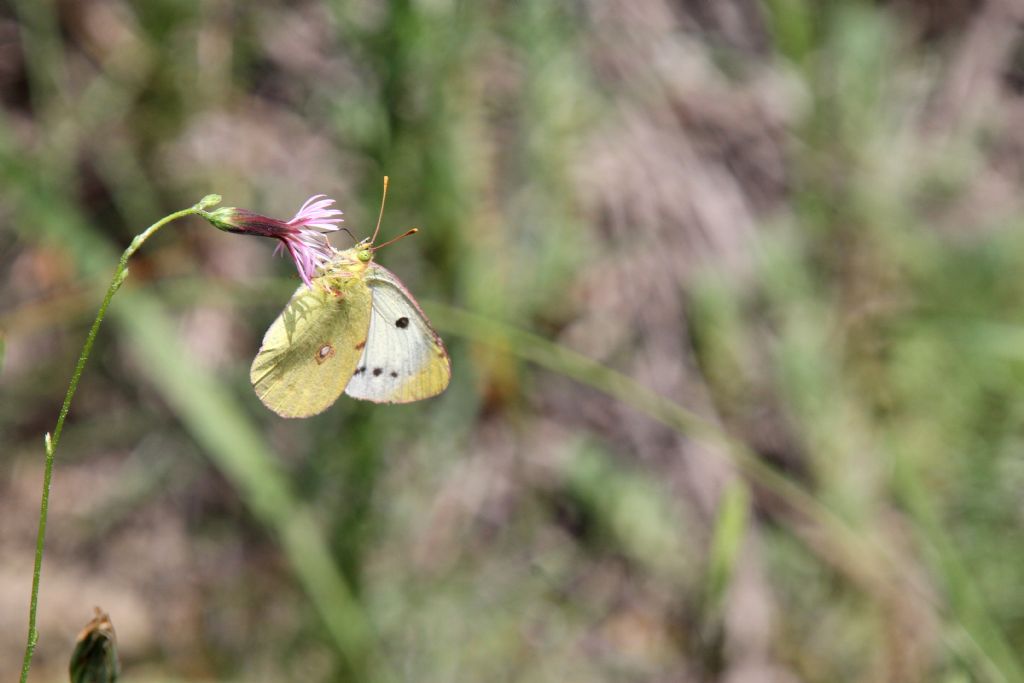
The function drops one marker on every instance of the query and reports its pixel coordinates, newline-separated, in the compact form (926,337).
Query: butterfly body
(357,330)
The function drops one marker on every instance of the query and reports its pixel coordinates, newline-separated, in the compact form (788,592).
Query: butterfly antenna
(349,233)
(381,214)
(410,231)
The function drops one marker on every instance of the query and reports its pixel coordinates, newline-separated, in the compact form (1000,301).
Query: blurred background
(733,292)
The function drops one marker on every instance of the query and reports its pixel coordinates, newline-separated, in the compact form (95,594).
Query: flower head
(302,236)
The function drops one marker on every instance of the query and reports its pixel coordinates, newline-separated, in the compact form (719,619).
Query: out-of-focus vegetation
(733,292)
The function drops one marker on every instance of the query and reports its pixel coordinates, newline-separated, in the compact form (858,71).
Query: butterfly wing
(311,350)
(404,359)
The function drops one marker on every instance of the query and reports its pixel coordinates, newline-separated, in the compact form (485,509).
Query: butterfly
(357,330)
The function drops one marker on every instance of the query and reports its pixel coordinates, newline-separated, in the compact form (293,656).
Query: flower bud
(94,659)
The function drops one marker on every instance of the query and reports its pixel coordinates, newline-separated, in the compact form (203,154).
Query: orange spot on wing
(323,353)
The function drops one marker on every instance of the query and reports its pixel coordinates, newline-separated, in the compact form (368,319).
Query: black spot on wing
(402,322)
(394,374)
(377,372)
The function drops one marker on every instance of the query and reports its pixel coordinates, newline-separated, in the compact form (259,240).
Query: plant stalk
(51,440)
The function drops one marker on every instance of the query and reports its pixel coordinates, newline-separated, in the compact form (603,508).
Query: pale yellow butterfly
(357,330)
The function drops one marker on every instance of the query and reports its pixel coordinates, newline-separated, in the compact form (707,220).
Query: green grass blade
(868,565)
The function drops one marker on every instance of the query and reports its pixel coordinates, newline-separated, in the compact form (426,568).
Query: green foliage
(732,294)
(729,531)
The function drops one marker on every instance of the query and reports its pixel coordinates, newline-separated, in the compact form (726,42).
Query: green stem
(52,440)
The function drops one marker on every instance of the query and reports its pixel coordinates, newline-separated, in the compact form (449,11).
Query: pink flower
(303,235)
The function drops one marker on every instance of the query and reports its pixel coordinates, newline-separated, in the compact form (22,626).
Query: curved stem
(52,440)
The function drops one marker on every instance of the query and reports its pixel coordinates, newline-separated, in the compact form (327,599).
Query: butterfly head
(364,251)
(359,257)
(352,261)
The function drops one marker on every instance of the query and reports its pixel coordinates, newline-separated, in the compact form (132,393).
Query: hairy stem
(51,440)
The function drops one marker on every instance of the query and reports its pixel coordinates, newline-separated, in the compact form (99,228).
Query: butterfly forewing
(404,359)
(313,347)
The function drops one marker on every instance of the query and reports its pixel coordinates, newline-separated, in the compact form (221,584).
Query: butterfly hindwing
(404,359)
(313,347)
